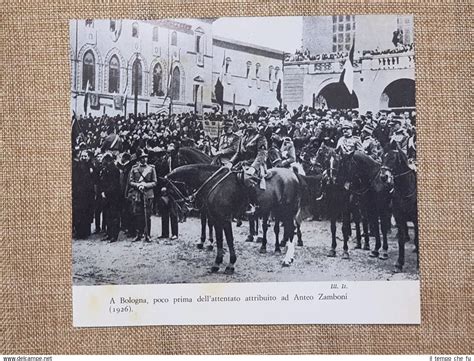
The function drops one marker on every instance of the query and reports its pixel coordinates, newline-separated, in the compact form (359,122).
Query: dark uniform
(228,145)
(370,145)
(142,175)
(82,197)
(252,151)
(109,184)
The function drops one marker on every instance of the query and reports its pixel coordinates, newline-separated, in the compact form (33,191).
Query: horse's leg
(220,249)
(401,225)
(375,229)
(258,233)
(210,226)
(346,232)
(332,252)
(365,227)
(276,230)
(299,234)
(384,221)
(289,232)
(203,230)
(263,247)
(230,244)
(251,229)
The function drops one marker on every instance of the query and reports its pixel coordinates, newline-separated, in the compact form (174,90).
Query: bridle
(370,183)
(191,199)
(399,175)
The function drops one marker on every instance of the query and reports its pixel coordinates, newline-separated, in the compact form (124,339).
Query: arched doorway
(398,94)
(175,83)
(336,96)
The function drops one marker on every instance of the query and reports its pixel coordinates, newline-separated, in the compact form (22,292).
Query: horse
(221,191)
(191,155)
(364,175)
(397,172)
(337,197)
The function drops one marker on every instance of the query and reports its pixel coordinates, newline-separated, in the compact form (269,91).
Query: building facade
(384,74)
(165,66)
(249,73)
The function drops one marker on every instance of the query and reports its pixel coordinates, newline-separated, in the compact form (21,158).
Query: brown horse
(397,172)
(364,175)
(222,193)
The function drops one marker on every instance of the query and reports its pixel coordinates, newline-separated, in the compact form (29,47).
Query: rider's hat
(141,154)
(228,123)
(107,157)
(346,125)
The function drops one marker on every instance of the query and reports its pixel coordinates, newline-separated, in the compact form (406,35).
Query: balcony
(390,61)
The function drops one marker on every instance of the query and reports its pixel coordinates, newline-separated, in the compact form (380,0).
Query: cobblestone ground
(164,261)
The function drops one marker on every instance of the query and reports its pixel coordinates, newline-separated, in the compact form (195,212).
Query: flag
(86,98)
(219,87)
(347,75)
(278,91)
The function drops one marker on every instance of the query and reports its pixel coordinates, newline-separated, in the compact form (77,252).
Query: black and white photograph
(243,150)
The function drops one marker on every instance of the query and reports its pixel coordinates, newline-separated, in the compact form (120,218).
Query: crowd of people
(118,162)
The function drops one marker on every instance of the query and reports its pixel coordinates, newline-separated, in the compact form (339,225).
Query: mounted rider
(252,154)
(399,135)
(228,144)
(348,143)
(370,145)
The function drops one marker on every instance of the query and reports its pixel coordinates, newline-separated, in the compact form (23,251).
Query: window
(174,38)
(343,32)
(88,70)
(114,75)
(175,83)
(199,41)
(257,68)
(270,72)
(90,23)
(112,25)
(137,77)
(334,19)
(404,23)
(249,65)
(135,30)
(277,72)
(155,33)
(227,64)
(198,44)
(157,80)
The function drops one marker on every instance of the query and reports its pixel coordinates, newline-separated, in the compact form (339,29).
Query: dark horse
(336,197)
(396,172)
(364,175)
(190,155)
(222,193)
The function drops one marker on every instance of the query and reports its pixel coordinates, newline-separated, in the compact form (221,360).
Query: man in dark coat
(111,195)
(169,214)
(82,196)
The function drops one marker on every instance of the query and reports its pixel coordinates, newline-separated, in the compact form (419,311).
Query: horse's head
(394,162)
(330,162)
